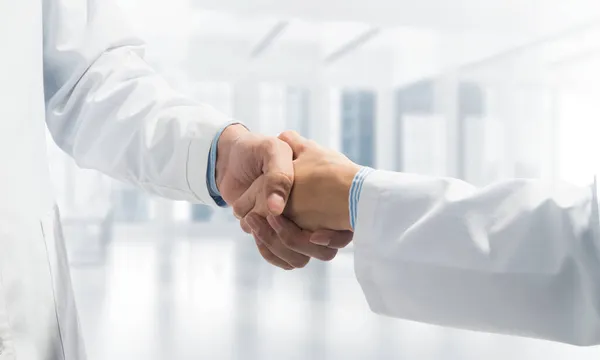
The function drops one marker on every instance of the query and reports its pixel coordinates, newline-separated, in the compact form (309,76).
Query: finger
(278,169)
(277,186)
(275,203)
(332,239)
(247,201)
(270,257)
(262,231)
(245,227)
(299,240)
(294,140)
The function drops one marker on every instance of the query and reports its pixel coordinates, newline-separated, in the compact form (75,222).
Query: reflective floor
(195,298)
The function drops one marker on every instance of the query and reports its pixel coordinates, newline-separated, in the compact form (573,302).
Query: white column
(324,125)
(553,159)
(502,107)
(164,223)
(385,130)
(246,105)
(446,104)
(509,119)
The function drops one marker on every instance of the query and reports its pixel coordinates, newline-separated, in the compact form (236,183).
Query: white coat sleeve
(519,257)
(110,111)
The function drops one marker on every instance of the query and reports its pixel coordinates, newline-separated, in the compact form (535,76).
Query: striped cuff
(355,191)
(211,177)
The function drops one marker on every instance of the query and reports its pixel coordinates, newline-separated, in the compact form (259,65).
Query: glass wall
(298,110)
(272,108)
(131,204)
(358,119)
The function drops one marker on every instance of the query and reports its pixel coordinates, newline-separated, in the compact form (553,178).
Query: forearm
(519,257)
(135,128)
(112,112)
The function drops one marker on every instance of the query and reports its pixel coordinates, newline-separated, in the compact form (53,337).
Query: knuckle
(288,134)
(277,177)
(301,148)
(241,208)
(311,143)
(269,145)
(237,209)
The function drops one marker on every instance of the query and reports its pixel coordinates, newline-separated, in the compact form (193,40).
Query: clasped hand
(290,193)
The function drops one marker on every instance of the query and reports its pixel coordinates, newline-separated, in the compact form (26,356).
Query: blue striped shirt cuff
(355,191)
(211,178)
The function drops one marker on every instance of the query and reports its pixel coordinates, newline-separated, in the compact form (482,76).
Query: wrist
(226,142)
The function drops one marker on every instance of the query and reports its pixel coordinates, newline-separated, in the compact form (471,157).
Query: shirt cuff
(355,190)
(211,177)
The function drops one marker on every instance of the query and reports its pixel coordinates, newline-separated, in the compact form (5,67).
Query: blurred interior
(472,89)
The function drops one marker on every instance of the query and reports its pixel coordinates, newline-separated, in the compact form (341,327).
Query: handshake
(290,193)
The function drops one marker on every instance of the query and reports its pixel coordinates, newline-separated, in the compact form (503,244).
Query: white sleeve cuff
(198,154)
(367,206)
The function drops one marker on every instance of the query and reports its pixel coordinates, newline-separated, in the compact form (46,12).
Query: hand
(255,170)
(277,229)
(322,181)
(255,173)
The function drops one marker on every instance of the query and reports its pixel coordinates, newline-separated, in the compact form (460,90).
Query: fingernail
(275,222)
(320,239)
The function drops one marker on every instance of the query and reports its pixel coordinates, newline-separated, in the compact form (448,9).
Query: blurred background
(478,90)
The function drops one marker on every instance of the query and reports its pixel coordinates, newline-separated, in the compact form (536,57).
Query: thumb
(278,172)
(296,142)
(277,188)
(276,204)
(257,200)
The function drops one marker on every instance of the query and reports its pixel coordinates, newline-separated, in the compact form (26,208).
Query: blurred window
(131,204)
(298,110)
(272,108)
(358,119)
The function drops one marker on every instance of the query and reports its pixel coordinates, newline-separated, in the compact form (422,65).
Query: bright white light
(578,133)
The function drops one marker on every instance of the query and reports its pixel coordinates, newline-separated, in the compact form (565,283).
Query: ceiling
(421,34)
(332,23)
(457,15)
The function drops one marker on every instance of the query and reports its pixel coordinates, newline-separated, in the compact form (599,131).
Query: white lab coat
(72,63)
(519,257)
